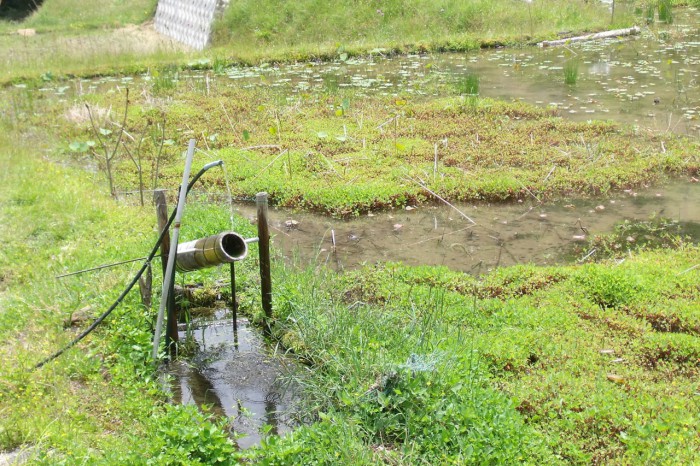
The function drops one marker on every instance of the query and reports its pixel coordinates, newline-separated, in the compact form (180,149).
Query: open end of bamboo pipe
(211,251)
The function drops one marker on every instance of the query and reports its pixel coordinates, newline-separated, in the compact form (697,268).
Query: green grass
(525,365)
(75,15)
(79,38)
(346,153)
(571,72)
(313,28)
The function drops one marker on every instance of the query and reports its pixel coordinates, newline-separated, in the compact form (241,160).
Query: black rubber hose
(123,294)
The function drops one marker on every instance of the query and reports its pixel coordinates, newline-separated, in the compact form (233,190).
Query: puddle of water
(504,234)
(237,375)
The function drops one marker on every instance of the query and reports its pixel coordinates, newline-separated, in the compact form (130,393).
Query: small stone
(630,239)
(408,207)
(543,216)
(397,226)
(579,237)
(600,208)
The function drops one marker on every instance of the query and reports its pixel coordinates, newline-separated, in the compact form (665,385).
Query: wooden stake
(234,304)
(171,335)
(264,252)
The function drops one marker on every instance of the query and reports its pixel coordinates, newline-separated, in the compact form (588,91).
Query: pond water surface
(651,80)
(504,234)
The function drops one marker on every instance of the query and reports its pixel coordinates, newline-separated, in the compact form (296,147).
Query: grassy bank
(312,28)
(77,38)
(596,364)
(347,153)
(74,15)
(66,42)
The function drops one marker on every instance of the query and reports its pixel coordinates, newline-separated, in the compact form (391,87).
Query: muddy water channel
(504,234)
(237,375)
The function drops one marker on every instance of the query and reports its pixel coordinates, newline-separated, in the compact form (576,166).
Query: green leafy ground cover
(574,365)
(598,363)
(348,153)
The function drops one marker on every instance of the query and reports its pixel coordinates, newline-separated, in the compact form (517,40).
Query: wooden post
(234,304)
(171,325)
(264,251)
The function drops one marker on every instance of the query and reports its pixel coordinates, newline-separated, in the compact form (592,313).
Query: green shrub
(608,287)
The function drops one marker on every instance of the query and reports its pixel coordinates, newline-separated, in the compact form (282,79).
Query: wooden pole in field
(234,304)
(264,252)
(171,324)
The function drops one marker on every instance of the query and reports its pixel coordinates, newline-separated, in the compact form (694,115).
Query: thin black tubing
(123,294)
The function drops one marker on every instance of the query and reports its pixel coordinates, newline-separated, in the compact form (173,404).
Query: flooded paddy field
(651,80)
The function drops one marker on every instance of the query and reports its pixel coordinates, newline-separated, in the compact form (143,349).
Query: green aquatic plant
(629,236)
(468,85)
(164,78)
(665,11)
(571,72)
(650,13)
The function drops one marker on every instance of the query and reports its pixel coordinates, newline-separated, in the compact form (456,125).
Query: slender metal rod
(100,267)
(173,247)
(234,304)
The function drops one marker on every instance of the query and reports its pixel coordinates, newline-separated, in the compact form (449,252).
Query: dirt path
(35,53)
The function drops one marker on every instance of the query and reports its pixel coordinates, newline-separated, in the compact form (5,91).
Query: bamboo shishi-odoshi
(211,251)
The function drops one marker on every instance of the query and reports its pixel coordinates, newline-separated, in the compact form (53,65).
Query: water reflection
(236,375)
